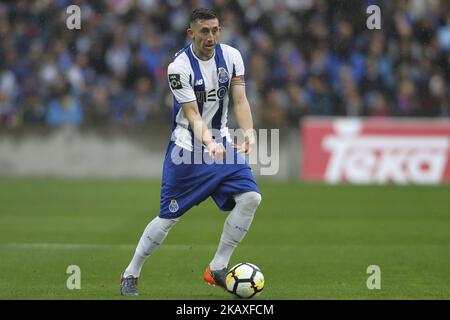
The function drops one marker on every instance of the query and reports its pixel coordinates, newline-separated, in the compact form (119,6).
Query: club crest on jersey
(222,75)
(173,206)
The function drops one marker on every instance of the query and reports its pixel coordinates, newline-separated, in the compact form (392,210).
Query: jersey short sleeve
(238,63)
(178,78)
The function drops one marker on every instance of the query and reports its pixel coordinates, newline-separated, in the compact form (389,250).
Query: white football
(245,280)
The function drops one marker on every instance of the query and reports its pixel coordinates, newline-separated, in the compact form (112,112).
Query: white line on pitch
(84,246)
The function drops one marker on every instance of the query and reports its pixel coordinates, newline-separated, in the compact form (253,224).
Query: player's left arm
(243,114)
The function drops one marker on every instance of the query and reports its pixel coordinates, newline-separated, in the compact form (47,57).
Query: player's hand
(247,146)
(216,150)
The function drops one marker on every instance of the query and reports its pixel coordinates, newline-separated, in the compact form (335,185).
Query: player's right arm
(183,92)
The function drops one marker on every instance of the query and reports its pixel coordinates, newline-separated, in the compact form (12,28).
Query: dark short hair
(202,14)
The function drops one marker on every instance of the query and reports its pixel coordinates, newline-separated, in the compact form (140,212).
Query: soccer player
(200,77)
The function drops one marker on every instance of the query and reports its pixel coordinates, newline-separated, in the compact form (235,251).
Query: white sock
(235,228)
(154,234)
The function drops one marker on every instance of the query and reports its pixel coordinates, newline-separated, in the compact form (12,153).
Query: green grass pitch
(311,241)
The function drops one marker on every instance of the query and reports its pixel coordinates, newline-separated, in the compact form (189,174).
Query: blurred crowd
(302,57)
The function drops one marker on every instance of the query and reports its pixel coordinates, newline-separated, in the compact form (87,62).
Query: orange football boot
(216,277)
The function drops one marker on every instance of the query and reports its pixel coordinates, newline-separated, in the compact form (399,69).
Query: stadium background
(79,107)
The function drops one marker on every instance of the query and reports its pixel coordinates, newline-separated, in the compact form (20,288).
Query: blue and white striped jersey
(208,83)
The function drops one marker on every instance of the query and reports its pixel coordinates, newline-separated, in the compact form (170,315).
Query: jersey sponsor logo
(211,95)
(222,75)
(222,92)
(175,81)
(173,206)
(198,82)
